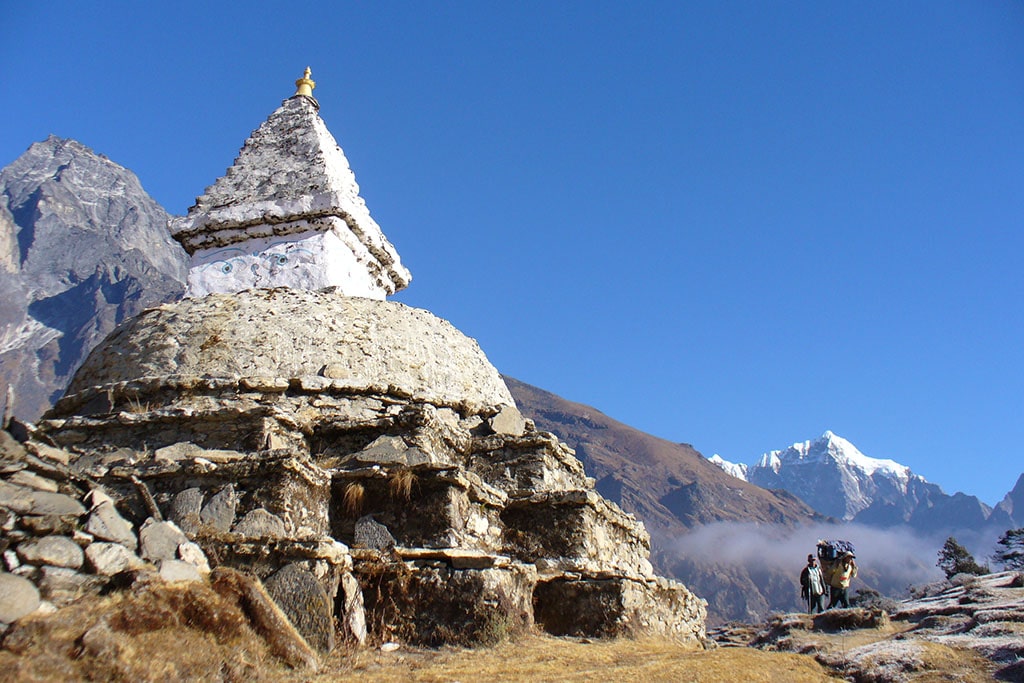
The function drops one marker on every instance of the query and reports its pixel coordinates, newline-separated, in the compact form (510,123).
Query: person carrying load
(839,568)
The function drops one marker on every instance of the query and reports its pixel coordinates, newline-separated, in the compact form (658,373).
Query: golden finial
(305,85)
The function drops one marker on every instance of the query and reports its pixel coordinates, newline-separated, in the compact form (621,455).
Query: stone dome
(314,339)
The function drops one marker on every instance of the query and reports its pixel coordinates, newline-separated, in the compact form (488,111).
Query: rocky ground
(970,628)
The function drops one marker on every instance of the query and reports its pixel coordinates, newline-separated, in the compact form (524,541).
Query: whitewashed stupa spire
(288,214)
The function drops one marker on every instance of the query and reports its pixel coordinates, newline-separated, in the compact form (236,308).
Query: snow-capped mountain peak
(738,470)
(830,474)
(834,447)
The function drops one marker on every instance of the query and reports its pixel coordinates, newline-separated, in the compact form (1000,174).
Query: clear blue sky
(734,224)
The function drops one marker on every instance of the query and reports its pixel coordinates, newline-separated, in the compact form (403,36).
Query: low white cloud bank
(890,560)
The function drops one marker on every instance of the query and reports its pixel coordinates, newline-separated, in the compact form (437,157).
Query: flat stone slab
(30,501)
(458,558)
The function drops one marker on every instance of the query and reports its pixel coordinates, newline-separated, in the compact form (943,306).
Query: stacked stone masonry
(423,514)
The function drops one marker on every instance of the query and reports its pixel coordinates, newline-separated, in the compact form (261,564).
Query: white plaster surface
(311,260)
(290,177)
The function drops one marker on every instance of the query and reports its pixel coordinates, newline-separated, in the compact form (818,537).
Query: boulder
(160,540)
(175,571)
(18,597)
(191,552)
(301,597)
(58,551)
(185,508)
(260,523)
(508,422)
(372,534)
(62,586)
(219,512)
(107,524)
(107,559)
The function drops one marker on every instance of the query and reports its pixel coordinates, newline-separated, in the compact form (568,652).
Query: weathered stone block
(433,604)
(259,523)
(420,508)
(58,551)
(219,512)
(107,524)
(185,508)
(62,586)
(18,597)
(618,607)
(174,571)
(576,530)
(160,541)
(301,597)
(108,559)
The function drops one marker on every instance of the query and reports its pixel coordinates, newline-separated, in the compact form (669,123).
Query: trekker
(842,575)
(812,586)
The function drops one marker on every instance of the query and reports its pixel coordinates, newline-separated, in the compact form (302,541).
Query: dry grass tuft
(136,406)
(401,481)
(353,498)
(165,632)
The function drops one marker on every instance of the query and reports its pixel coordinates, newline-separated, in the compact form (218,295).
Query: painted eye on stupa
(222,266)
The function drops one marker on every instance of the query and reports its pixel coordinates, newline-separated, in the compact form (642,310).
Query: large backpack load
(829,553)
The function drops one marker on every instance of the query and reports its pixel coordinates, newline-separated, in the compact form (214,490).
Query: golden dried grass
(401,481)
(545,658)
(353,498)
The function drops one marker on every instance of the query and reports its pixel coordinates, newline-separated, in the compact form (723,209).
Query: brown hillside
(670,486)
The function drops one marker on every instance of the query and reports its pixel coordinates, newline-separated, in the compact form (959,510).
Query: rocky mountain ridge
(82,247)
(835,478)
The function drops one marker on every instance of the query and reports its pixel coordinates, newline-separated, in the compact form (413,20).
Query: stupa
(293,422)
(288,214)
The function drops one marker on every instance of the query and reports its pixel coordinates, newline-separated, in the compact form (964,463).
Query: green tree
(955,559)
(1011,554)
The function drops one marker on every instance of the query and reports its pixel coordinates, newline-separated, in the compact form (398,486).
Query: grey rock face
(220,511)
(38,503)
(185,509)
(173,571)
(160,541)
(58,551)
(508,421)
(372,534)
(108,559)
(82,247)
(107,524)
(300,596)
(259,523)
(18,597)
